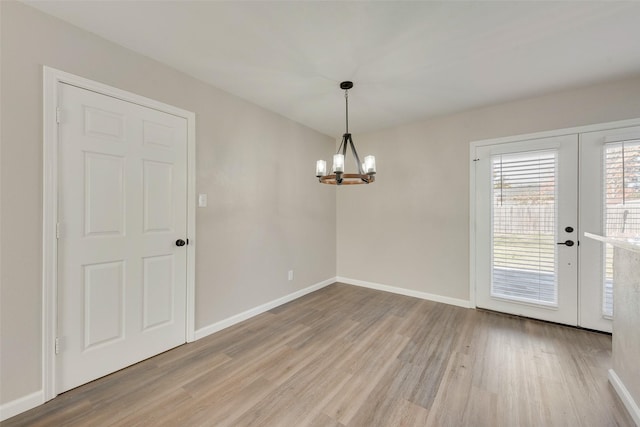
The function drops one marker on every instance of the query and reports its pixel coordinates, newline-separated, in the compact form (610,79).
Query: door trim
(515,138)
(51,79)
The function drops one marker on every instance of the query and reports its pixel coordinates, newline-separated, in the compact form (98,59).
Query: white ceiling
(408,60)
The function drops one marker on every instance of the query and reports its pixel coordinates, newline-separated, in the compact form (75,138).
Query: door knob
(567,242)
(181,242)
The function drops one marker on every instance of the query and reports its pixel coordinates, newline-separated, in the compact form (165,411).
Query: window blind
(523,224)
(621,205)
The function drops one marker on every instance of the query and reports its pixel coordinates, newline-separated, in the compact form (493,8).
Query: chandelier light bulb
(321,168)
(338,163)
(370,165)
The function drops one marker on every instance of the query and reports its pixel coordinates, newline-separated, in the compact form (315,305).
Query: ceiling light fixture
(366,171)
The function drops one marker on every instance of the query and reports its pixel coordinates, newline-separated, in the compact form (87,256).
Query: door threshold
(542,321)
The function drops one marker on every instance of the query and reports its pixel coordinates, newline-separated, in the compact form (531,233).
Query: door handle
(567,243)
(181,242)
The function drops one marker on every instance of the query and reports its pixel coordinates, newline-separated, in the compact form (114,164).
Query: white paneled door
(122,213)
(527,228)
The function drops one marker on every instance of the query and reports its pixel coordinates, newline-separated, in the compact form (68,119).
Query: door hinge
(58,230)
(57,345)
(58,114)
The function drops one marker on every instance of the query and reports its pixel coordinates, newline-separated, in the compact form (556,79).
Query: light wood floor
(348,356)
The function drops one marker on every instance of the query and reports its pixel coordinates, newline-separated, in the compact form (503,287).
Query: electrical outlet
(290,274)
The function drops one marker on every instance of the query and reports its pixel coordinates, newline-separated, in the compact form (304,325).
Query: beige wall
(266,213)
(411,228)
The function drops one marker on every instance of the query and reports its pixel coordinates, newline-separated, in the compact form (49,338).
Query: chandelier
(366,170)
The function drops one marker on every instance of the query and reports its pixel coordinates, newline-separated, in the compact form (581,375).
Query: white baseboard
(406,292)
(230,321)
(625,396)
(15,407)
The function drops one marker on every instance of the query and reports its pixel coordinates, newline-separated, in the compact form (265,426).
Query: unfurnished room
(319,213)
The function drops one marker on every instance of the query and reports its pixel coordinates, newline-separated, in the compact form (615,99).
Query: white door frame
(503,140)
(51,80)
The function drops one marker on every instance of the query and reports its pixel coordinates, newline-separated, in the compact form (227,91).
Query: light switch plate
(202,200)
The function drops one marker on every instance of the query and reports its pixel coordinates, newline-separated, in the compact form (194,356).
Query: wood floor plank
(349,356)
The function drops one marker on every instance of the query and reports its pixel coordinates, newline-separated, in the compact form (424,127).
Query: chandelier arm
(355,155)
(342,143)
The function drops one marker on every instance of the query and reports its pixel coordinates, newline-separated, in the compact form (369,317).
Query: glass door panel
(524,227)
(610,206)
(526,210)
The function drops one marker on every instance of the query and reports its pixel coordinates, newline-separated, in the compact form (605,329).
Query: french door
(534,199)
(610,206)
(526,228)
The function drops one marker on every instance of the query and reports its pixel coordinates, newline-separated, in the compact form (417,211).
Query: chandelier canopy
(366,170)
